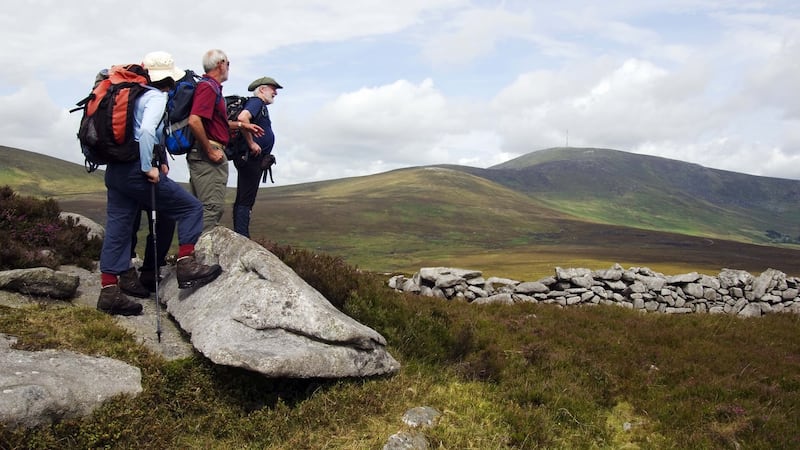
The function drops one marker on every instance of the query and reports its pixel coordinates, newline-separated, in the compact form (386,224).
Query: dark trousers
(248,178)
(165,229)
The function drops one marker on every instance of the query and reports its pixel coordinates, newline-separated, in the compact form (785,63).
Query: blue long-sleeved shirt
(147,126)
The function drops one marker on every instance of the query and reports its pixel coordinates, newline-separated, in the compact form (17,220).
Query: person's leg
(208,182)
(176,203)
(137,220)
(115,254)
(129,281)
(165,227)
(120,213)
(248,179)
(165,230)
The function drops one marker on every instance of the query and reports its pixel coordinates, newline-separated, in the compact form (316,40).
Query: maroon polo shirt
(209,104)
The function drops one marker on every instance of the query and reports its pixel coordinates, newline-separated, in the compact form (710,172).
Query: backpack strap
(213,86)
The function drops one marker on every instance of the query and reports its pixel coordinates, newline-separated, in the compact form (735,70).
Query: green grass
(523,376)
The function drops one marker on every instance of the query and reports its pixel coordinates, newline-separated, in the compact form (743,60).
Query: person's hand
(152,175)
(255,149)
(216,155)
(254,129)
(165,169)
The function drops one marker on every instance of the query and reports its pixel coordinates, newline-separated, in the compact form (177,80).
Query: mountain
(557,207)
(648,192)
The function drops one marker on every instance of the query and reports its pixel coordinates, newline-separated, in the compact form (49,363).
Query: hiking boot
(191,274)
(148,279)
(113,301)
(129,284)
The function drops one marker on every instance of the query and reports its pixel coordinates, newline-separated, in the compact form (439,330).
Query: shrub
(33,235)
(328,274)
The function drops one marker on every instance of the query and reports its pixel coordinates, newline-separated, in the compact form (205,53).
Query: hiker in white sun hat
(160,65)
(143,183)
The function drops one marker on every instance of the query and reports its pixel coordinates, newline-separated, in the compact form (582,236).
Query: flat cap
(262,81)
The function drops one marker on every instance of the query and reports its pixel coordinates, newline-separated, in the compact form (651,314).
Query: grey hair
(212,58)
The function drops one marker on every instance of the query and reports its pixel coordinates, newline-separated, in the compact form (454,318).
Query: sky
(372,86)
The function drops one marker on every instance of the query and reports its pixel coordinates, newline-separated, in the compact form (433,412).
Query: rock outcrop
(733,291)
(53,385)
(260,315)
(40,281)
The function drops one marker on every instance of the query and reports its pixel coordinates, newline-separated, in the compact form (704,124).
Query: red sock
(107,279)
(185,250)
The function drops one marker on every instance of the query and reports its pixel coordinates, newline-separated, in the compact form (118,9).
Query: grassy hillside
(402,214)
(505,222)
(40,175)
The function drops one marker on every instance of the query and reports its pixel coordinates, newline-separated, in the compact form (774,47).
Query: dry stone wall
(734,292)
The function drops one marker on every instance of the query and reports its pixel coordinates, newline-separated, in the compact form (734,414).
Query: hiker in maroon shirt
(208,166)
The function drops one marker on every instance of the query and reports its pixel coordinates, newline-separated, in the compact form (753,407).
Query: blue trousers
(128,191)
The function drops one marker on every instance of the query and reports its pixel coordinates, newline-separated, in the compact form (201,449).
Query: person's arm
(163,162)
(246,126)
(205,101)
(151,117)
(201,139)
(244,117)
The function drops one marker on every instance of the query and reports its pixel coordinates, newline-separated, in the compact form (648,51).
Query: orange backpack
(106,129)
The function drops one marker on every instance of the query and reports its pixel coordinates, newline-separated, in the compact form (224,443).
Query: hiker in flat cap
(253,167)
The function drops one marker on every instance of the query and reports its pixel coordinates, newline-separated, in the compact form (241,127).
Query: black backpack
(237,149)
(178,138)
(106,129)
(237,145)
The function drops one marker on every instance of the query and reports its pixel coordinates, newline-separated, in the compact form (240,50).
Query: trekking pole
(155,259)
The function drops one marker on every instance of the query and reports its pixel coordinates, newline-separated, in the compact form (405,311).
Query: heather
(33,235)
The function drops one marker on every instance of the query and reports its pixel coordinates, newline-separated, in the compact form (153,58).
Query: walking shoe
(191,274)
(129,283)
(148,279)
(113,301)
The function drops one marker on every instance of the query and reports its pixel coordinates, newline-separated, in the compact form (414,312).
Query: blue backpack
(178,138)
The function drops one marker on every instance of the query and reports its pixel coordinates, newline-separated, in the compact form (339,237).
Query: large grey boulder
(40,281)
(260,315)
(52,385)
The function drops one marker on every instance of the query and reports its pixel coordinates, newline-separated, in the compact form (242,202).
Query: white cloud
(472,33)
(377,85)
(391,122)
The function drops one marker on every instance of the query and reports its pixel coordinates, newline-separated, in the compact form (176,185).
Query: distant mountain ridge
(712,185)
(616,187)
